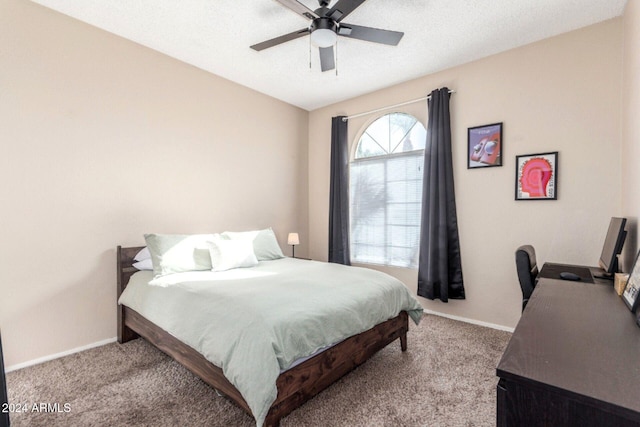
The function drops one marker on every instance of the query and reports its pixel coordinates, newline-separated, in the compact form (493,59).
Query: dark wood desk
(573,360)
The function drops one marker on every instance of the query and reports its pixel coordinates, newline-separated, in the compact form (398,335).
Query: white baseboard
(110,340)
(472,321)
(58,355)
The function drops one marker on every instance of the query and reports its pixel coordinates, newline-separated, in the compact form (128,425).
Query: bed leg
(271,422)
(404,318)
(125,334)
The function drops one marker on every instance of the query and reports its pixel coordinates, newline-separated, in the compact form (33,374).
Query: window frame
(387,262)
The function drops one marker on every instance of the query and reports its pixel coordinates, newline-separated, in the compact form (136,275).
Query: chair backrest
(527,268)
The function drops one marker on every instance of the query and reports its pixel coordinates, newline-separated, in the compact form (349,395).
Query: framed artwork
(630,294)
(537,176)
(484,146)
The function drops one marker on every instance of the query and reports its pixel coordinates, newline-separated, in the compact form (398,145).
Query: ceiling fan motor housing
(323,24)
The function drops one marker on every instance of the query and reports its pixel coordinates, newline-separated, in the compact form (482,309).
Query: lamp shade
(323,38)
(293,239)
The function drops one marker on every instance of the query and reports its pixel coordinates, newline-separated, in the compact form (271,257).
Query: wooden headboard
(125,269)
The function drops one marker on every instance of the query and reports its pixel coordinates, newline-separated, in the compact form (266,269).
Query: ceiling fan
(326,25)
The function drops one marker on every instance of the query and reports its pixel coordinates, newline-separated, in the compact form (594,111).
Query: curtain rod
(344,119)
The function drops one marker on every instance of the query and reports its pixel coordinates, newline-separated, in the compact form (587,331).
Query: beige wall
(103,140)
(561,94)
(631,127)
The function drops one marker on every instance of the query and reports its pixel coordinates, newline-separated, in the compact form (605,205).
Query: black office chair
(527,271)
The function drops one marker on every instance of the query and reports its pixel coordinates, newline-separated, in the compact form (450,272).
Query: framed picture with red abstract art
(537,176)
(484,145)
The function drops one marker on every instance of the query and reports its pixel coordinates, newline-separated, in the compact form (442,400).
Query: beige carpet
(446,378)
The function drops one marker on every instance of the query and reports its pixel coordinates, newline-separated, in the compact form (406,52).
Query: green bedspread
(255,322)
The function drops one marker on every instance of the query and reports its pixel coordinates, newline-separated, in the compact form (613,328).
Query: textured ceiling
(215,35)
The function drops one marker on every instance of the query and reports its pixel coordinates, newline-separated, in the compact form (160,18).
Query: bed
(295,385)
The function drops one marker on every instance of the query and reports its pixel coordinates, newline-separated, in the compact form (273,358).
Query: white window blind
(386,192)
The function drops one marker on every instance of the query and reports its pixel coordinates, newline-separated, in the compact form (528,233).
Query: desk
(573,360)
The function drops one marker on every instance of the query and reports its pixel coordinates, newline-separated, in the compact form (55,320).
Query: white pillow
(175,253)
(143,254)
(228,254)
(145,264)
(265,244)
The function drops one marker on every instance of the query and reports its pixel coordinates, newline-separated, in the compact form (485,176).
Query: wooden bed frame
(295,386)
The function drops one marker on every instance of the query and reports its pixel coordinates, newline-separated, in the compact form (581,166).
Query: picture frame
(537,176)
(631,291)
(484,146)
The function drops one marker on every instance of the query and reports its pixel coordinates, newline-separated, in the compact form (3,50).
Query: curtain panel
(440,265)
(339,193)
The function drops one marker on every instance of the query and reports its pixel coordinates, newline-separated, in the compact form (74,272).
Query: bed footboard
(298,385)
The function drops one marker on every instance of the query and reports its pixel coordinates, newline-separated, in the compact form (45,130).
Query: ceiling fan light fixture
(323,38)
(323,32)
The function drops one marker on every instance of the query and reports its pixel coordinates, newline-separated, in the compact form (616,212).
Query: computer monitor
(612,246)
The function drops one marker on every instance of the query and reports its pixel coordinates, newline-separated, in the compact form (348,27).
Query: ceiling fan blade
(327,61)
(370,34)
(281,39)
(299,8)
(340,10)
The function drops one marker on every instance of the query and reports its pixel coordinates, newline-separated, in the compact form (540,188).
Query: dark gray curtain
(440,267)
(339,194)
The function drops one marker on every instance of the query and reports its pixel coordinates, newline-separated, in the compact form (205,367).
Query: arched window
(386,191)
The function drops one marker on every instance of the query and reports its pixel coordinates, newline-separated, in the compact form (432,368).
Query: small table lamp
(293,240)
